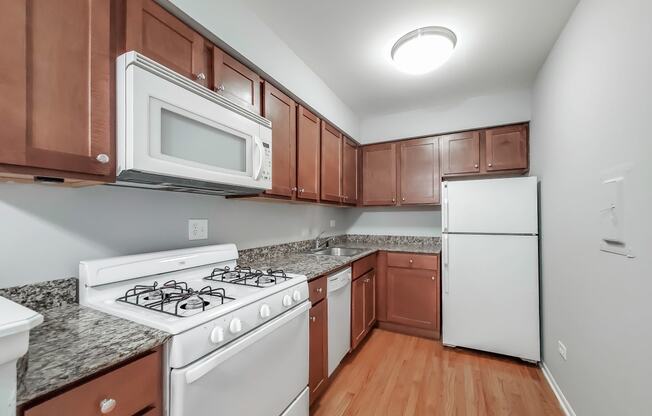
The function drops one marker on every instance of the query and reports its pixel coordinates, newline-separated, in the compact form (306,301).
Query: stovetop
(178,298)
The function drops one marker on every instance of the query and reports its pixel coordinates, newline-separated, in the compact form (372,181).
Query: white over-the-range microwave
(174,134)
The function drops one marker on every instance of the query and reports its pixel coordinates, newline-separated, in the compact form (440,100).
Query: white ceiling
(501,45)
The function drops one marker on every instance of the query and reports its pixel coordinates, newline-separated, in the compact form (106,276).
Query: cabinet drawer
(317,289)
(136,387)
(413,261)
(363,265)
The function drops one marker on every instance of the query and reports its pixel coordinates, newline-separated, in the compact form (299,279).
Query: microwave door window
(193,141)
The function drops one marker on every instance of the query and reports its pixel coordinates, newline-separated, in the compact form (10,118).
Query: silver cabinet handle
(294,188)
(201,76)
(433,278)
(393,199)
(107,406)
(103,158)
(313,319)
(319,290)
(366,280)
(403,199)
(220,88)
(411,261)
(301,189)
(475,166)
(490,165)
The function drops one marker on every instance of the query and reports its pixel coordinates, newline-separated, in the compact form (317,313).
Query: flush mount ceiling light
(423,50)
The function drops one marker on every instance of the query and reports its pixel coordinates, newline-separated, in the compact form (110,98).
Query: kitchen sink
(337,251)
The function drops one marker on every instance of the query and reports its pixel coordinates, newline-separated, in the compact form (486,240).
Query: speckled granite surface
(312,265)
(44,295)
(75,342)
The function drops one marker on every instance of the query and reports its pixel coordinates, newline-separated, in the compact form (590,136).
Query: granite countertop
(313,265)
(75,342)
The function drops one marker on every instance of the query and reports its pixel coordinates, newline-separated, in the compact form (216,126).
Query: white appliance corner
(563,402)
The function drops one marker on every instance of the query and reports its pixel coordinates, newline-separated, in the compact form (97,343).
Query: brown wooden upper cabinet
(331,163)
(485,152)
(235,81)
(308,155)
(55,94)
(419,171)
(281,111)
(460,153)
(159,35)
(506,148)
(379,174)
(350,172)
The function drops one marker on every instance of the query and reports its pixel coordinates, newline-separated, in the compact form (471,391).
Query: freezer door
(494,206)
(490,296)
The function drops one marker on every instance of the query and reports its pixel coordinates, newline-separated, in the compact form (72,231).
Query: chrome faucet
(319,242)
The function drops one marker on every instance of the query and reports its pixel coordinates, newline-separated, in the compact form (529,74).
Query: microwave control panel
(266,173)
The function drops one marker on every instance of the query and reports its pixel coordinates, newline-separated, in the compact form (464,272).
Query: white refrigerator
(490,270)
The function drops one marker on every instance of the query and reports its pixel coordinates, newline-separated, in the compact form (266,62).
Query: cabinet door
(506,148)
(318,354)
(419,173)
(157,34)
(350,172)
(412,297)
(331,163)
(358,327)
(55,93)
(379,174)
(281,110)
(369,300)
(460,153)
(235,81)
(308,155)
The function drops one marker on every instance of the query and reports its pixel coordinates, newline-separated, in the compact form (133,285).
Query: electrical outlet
(332,223)
(562,349)
(198,229)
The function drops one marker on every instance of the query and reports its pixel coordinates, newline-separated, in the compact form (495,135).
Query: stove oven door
(260,374)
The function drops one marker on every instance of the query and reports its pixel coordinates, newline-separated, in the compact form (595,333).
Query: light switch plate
(198,229)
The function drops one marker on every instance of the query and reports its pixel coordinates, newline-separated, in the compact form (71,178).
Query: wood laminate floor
(395,374)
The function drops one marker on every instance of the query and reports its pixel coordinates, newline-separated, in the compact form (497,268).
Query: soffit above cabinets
(501,45)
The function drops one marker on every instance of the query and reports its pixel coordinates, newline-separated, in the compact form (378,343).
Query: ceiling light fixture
(423,50)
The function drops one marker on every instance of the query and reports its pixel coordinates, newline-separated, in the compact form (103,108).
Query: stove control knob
(287,301)
(296,295)
(235,326)
(217,335)
(265,311)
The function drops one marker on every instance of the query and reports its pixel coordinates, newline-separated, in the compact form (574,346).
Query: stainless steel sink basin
(337,251)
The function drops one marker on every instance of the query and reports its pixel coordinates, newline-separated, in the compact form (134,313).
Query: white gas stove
(234,328)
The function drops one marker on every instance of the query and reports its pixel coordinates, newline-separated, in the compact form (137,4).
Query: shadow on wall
(417,221)
(46,231)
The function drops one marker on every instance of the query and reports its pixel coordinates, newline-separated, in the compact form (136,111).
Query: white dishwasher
(339,317)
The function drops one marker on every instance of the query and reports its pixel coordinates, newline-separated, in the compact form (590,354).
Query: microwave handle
(259,168)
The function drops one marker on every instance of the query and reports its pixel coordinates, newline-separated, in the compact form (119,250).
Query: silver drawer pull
(107,406)
(103,158)
(319,290)
(313,319)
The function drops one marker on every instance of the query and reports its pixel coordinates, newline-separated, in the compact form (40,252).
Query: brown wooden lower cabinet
(318,367)
(363,307)
(409,293)
(136,388)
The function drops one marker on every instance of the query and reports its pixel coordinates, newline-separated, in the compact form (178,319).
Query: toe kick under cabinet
(133,389)
(408,292)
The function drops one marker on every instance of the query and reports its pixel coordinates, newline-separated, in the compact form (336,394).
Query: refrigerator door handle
(445,260)
(445,209)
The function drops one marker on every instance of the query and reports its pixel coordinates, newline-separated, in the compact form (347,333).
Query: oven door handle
(195,372)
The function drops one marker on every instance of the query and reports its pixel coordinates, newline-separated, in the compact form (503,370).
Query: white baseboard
(565,406)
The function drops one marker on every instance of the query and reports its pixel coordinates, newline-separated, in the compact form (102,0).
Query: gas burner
(247,276)
(174,298)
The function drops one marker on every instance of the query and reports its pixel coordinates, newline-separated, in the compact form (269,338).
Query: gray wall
(421,221)
(46,231)
(591,112)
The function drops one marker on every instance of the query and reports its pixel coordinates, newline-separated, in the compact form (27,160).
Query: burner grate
(173,296)
(247,276)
